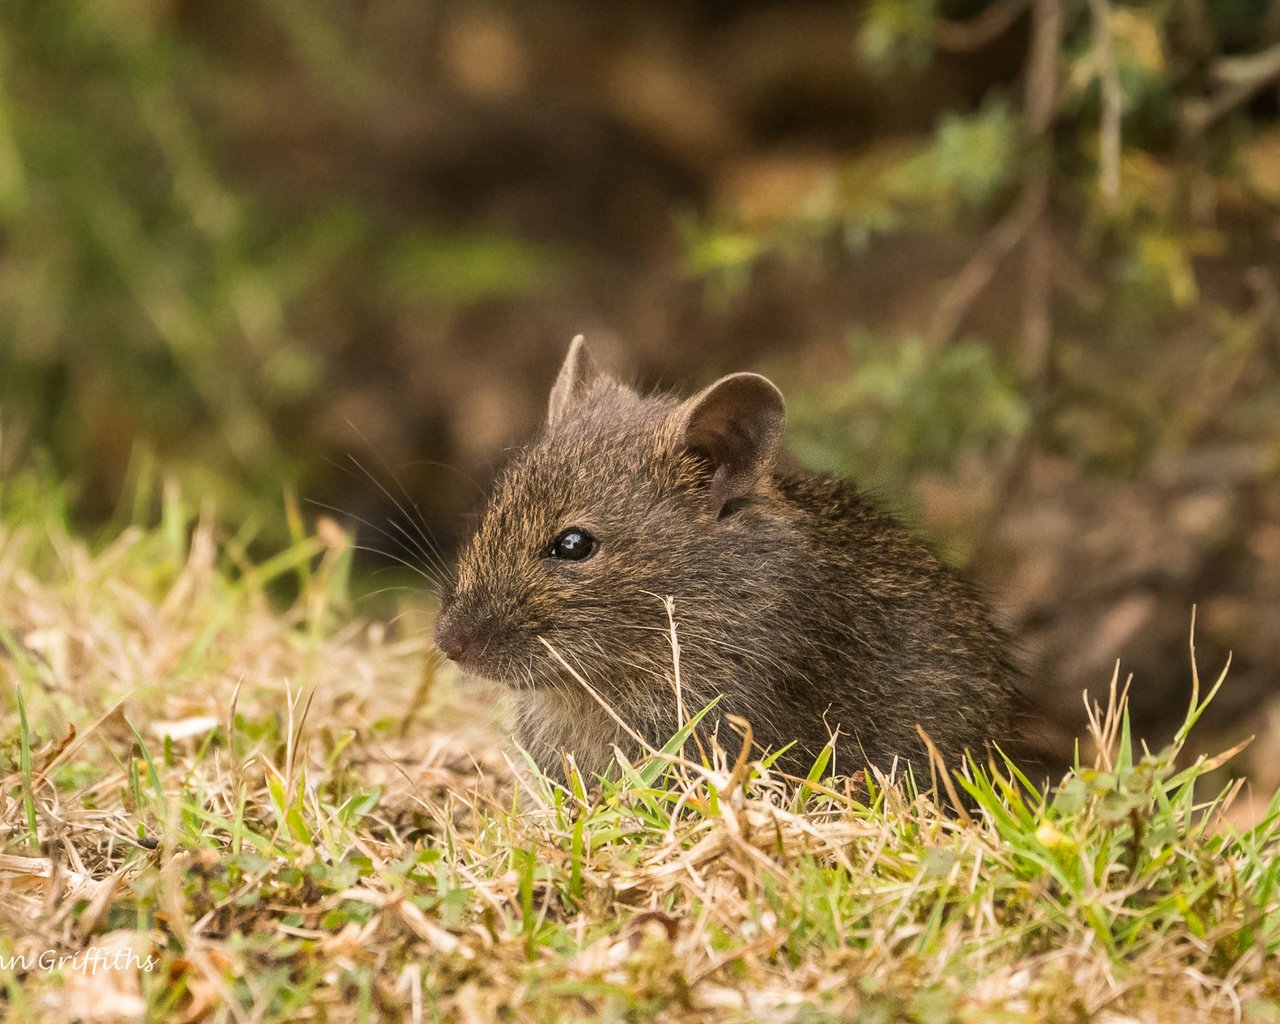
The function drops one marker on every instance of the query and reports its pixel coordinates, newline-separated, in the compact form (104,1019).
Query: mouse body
(796,601)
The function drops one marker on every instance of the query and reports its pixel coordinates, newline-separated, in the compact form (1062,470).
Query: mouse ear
(736,424)
(576,376)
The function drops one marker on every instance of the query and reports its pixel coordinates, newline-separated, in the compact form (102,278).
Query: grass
(217,808)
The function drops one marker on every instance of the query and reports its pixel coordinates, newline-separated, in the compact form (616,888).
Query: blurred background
(1016,265)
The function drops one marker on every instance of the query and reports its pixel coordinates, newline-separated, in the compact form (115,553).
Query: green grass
(298,815)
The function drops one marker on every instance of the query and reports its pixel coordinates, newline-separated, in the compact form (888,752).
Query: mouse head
(623,500)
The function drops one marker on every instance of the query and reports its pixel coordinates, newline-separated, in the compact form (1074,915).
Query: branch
(1041,91)
(1112,102)
(1027,213)
(981,267)
(977,32)
(1242,77)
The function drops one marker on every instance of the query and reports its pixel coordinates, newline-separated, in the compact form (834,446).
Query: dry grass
(297,817)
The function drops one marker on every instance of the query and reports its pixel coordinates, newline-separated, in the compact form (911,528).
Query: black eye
(573,545)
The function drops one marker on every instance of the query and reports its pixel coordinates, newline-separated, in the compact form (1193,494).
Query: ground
(221,804)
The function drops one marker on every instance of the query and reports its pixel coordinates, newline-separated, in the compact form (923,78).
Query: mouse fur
(797,601)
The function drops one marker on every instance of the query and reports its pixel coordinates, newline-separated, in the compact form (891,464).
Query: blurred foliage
(1137,148)
(971,160)
(152,303)
(903,409)
(141,296)
(463,268)
(897,32)
(169,295)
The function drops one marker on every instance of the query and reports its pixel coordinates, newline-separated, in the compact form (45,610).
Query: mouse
(797,603)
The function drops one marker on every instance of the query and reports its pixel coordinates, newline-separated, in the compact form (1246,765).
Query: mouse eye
(573,545)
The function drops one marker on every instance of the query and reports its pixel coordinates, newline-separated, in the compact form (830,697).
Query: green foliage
(896,32)
(1115,149)
(971,161)
(152,300)
(903,409)
(141,296)
(466,268)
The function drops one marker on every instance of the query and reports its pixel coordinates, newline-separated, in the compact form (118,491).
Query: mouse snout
(453,635)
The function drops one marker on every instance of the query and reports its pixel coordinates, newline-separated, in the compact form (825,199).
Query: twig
(1242,77)
(977,273)
(1112,101)
(1042,67)
(739,773)
(1027,213)
(647,747)
(669,605)
(682,714)
(77,741)
(939,767)
(1041,100)
(978,31)
(1248,333)
(1196,34)
(1037,292)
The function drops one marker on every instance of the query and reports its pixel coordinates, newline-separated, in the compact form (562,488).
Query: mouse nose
(452,637)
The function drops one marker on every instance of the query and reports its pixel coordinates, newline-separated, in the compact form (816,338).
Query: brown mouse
(797,601)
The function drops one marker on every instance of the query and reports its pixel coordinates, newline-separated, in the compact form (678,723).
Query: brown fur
(796,600)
